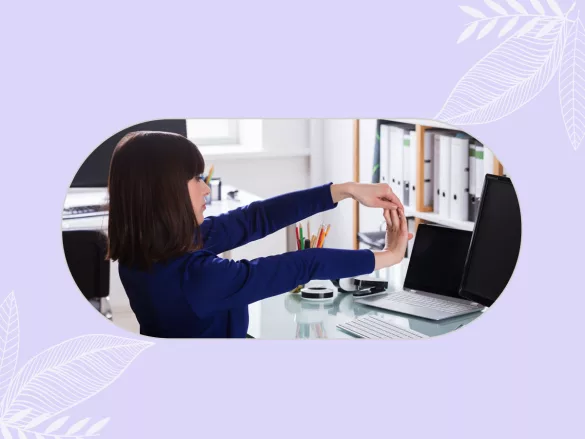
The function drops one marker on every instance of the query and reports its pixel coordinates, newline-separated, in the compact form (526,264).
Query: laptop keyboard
(379,327)
(85,211)
(428,302)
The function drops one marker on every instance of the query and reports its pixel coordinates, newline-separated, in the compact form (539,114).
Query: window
(209,132)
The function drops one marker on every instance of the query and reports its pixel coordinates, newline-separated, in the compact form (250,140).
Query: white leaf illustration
(5,432)
(555,7)
(508,26)
(487,28)
(505,79)
(571,8)
(37,421)
(528,27)
(39,436)
(18,416)
(517,6)
(56,425)
(473,12)
(552,24)
(537,6)
(76,427)
(9,340)
(468,32)
(97,427)
(572,83)
(496,7)
(69,373)
(21,435)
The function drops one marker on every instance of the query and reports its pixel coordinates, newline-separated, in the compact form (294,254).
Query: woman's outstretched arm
(261,218)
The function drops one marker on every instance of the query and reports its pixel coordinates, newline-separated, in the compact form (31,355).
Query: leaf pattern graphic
(487,28)
(496,7)
(546,29)
(9,341)
(69,373)
(97,427)
(473,12)
(528,27)
(508,26)
(504,80)
(517,6)
(537,6)
(467,32)
(572,83)
(555,7)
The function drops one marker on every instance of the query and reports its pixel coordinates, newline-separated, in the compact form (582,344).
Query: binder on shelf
(396,149)
(479,177)
(407,174)
(436,171)
(412,170)
(459,184)
(384,154)
(472,203)
(428,169)
(445,175)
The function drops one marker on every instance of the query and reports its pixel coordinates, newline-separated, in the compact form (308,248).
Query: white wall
(338,168)
(282,166)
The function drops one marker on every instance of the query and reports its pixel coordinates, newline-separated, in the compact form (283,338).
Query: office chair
(85,252)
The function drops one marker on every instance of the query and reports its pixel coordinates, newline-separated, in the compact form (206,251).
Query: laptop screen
(495,243)
(438,257)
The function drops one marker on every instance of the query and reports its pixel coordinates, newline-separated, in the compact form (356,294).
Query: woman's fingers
(395,220)
(403,224)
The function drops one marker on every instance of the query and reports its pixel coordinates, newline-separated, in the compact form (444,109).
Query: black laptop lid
(495,243)
(438,257)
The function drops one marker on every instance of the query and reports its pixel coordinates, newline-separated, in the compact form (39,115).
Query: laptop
(495,243)
(433,278)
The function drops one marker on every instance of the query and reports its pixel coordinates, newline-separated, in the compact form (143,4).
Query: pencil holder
(214,190)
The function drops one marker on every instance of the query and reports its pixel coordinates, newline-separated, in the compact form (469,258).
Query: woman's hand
(397,238)
(369,194)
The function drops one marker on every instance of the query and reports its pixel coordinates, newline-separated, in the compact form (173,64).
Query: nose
(207,189)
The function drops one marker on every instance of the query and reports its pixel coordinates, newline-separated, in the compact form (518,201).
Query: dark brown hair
(151,217)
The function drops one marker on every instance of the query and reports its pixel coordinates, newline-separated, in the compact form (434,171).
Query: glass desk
(288,316)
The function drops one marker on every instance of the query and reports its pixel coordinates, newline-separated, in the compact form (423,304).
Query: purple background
(75,73)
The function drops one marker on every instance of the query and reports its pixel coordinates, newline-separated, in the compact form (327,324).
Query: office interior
(254,159)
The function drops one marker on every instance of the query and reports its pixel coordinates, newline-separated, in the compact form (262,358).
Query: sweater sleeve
(213,284)
(261,218)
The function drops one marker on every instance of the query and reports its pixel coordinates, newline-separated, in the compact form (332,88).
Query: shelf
(438,219)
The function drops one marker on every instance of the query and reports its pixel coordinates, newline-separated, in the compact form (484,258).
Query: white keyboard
(379,327)
(428,302)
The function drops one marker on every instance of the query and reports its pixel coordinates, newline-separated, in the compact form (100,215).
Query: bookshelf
(420,212)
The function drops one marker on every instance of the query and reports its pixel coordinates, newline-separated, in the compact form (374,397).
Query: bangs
(194,164)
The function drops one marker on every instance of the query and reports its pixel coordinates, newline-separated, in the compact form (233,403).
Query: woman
(167,252)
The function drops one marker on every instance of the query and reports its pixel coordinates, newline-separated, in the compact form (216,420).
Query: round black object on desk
(316,293)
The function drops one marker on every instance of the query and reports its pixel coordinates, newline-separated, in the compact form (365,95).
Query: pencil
(321,234)
(209,175)
(325,235)
(298,239)
(301,235)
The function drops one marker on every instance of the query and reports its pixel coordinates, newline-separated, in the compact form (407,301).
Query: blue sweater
(202,295)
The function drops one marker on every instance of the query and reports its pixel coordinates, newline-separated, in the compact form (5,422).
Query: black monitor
(495,243)
(95,169)
(438,257)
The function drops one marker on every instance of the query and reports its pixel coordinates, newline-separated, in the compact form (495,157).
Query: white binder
(459,200)
(436,172)
(410,166)
(445,175)
(479,170)
(384,154)
(396,147)
(472,183)
(488,161)
(428,169)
